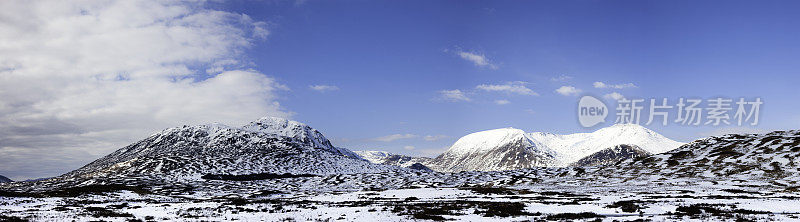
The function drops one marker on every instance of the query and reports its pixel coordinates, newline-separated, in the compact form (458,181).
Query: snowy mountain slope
(493,150)
(611,155)
(387,158)
(572,147)
(772,157)
(374,156)
(268,145)
(505,149)
(5,179)
(296,130)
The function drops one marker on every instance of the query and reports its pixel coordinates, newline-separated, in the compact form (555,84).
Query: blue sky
(80,79)
(390,58)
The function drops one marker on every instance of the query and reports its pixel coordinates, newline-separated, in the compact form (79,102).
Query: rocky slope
(772,157)
(268,145)
(387,158)
(611,155)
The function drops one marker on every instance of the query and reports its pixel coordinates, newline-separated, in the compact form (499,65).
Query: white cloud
(394,137)
(601,85)
(409,147)
(510,87)
(568,91)
(434,137)
(323,88)
(501,102)
(453,95)
(478,59)
(561,78)
(614,96)
(81,79)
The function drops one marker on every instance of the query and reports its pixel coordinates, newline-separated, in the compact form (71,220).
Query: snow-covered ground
(678,203)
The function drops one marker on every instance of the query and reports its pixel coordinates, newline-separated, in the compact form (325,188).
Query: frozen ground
(728,178)
(697,201)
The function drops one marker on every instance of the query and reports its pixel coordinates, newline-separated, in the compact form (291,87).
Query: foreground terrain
(279,170)
(702,201)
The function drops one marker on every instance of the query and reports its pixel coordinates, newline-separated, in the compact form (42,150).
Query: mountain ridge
(267,145)
(509,148)
(770,156)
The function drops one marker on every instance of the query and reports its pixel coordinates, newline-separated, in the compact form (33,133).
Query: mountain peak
(275,125)
(272,120)
(288,128)
(486,140)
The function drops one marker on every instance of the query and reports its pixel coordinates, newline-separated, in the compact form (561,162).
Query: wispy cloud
(453,96)
(394,137)
(409,147)
(561,78)
(299,2)
(323,88)
(568,91)
(479,60)
(510,87)
(434,137)
(501,102)
(614,96)
(602,85)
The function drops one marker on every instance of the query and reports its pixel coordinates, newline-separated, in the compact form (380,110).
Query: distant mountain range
(387,158)
(277,146)
(509,149)
(280,154)
(5,179)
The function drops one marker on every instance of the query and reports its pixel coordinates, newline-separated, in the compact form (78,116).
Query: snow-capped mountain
(573,147)
(268,145)
(5,179)
(387,158)
(491,150)
(509,148)
(611,155)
